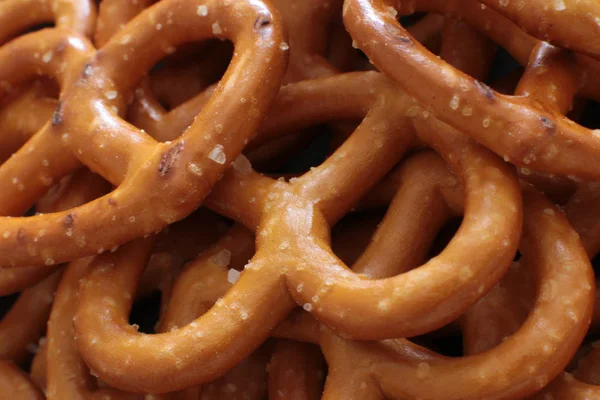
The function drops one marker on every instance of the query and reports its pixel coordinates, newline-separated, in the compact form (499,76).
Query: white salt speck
(111,95)
(308,307)
(217,154)
(559,5)
(195,169)
(202,11)
(284,46)
(300,288)
(47,57)
(454,102)
(216,28)
(233,275)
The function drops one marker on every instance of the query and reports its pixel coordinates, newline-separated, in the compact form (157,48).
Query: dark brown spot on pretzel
(485,89)
(87,70)
(112,202)
(262,21)
(58,116)
(548,124)
(168,159)
(69,220)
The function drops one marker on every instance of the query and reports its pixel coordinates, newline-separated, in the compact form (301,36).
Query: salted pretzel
(567,23)
(531,132)
(254,193)
(179,173)
(512,369)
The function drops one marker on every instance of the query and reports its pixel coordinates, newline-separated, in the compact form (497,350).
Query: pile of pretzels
(299,199)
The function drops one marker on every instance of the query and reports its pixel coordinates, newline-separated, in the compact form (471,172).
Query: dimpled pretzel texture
(299,199)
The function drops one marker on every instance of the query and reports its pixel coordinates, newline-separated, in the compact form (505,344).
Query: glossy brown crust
(180,173)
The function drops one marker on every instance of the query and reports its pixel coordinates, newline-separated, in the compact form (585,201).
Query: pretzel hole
(292,154)
(6,302)
(446,341)
(192,68)
(145,312)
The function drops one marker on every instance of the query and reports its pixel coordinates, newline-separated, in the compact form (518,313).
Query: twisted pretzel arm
(16,384)
(374,310)
(565,23)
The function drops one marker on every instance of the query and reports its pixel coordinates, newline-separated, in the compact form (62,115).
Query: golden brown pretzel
(255,196)
(571,24)
(179,173)
(520,364)
(530,132)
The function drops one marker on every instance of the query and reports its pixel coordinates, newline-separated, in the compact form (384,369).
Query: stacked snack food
(299,199)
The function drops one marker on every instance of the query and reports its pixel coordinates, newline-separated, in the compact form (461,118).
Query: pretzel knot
(86,126)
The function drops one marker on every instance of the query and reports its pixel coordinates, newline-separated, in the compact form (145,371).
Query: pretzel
(119,154)
(536,131)
(251,185)
(555,23)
